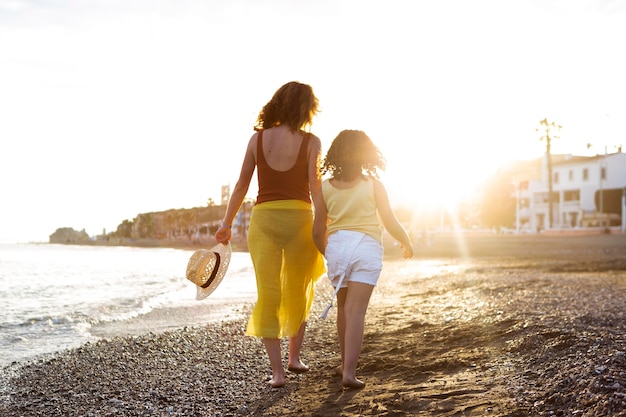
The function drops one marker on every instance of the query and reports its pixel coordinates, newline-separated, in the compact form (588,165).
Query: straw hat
(206,268)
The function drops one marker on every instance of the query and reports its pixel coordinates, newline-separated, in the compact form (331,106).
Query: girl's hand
(223,234)
(407,251)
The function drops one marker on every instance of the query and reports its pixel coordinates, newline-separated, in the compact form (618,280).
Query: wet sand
(493,325)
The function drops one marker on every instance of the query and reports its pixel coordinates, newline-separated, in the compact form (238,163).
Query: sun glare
(432,184)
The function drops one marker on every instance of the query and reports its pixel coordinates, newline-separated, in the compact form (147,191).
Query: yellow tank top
(352,208)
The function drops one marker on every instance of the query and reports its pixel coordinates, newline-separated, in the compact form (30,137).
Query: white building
(584,191)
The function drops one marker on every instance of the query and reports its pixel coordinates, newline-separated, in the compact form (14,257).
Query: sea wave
(53,295)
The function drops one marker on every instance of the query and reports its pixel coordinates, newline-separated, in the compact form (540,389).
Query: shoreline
(437,244)
(239,245)
(505,327)
(167,319)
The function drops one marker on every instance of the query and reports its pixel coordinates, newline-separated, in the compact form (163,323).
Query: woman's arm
(320,235)
(315,182)
(390,221)
(314,156)
(224,233)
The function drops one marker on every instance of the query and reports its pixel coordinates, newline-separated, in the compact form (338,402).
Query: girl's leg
(272,347)
(357,300)
(341,326)
(295,343)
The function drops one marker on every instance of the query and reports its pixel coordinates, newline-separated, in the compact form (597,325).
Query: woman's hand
(407,251)
(223,234)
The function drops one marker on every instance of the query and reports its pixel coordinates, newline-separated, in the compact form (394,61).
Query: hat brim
(224,252)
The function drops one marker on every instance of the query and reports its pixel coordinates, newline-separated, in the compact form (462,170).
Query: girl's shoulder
(371,181)
(345,185)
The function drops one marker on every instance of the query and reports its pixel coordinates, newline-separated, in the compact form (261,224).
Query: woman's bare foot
(353,384)
(339,370)
(277,381)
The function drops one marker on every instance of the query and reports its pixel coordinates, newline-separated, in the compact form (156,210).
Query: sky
(111,108)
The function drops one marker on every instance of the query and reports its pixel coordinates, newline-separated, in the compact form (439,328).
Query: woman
(286,261)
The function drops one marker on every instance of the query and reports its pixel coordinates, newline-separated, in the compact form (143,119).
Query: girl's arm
(390,221)
(224,233)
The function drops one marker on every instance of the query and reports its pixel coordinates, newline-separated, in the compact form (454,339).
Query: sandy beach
(481,326)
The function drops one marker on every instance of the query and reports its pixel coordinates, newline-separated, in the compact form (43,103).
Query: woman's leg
(357,300)
(302,264)
(272,347)
(264,323)
(295,344)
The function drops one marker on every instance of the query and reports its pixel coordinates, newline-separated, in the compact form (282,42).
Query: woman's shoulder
(309,134)
(254,138)
(314,144)
(311,137)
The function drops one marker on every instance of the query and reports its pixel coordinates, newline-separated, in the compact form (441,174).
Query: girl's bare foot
(298,368)
(353,384)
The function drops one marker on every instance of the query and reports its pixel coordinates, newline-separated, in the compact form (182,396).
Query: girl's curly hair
(350,155)
(294,104)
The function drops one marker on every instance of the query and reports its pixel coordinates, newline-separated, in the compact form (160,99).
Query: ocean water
(53,297)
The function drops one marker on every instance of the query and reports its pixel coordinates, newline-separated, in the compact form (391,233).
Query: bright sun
(433,184)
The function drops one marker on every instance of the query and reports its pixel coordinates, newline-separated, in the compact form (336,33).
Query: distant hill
(67,235)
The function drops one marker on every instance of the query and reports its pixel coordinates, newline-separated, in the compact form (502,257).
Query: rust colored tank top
(292,184)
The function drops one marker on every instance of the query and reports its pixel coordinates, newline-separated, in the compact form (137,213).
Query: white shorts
(355,254)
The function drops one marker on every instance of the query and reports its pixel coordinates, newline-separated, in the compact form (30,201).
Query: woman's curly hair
(294,104)
(350,155)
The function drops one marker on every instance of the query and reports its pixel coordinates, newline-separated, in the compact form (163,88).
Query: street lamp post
(547,127)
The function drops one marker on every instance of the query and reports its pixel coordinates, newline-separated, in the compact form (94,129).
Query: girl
(347,231)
